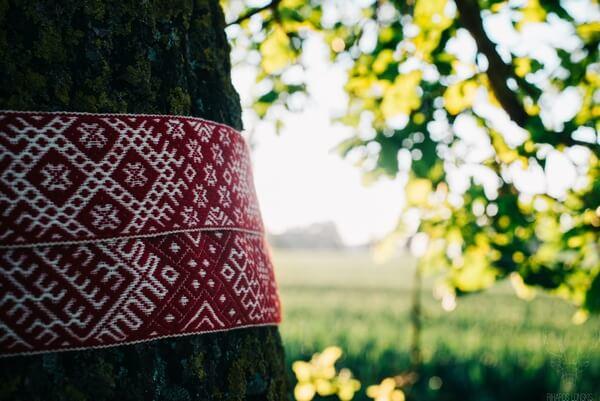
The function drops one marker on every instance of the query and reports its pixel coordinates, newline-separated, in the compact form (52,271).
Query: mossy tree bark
(153,56)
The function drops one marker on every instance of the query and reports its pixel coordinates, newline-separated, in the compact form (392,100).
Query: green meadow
(492,346)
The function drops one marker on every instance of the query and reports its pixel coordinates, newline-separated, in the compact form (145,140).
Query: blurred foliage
(385,391)
(319,376)
(459,128)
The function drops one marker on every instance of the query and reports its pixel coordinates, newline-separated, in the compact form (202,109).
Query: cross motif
(56,177)
(195,151)
(210,175)
(105,217)
(135,174)
(200,198)
(224,196)
(217,154)
(175,128)
(93,136)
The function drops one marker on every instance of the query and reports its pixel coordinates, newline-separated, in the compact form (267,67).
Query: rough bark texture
(152,56)
(117,56)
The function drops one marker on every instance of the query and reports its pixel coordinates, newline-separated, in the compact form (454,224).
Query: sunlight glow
(301,180)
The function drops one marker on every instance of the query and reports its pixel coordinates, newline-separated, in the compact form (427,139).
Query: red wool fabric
(120,228)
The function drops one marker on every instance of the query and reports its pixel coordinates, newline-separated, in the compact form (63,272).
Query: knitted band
(120,228)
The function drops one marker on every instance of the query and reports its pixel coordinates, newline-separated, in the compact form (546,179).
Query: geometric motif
(148,168)
(119,228)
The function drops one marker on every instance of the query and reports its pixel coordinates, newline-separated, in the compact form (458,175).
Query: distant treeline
(315,236)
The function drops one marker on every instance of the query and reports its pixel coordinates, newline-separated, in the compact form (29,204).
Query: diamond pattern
(117,229)
(55,177)
(121,291)
(157,170)
(135,174)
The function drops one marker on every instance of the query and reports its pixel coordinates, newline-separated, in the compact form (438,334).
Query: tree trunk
(163,57)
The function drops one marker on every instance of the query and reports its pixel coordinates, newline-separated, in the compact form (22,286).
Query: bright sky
(300,179)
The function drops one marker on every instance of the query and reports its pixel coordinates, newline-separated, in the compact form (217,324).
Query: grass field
(493,346)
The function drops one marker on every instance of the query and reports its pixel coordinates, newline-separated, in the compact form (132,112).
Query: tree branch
(270,6)
(498,72)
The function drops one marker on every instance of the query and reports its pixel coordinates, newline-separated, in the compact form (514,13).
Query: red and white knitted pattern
(123,228)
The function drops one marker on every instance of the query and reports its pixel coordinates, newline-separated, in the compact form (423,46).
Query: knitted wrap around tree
(121,228)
